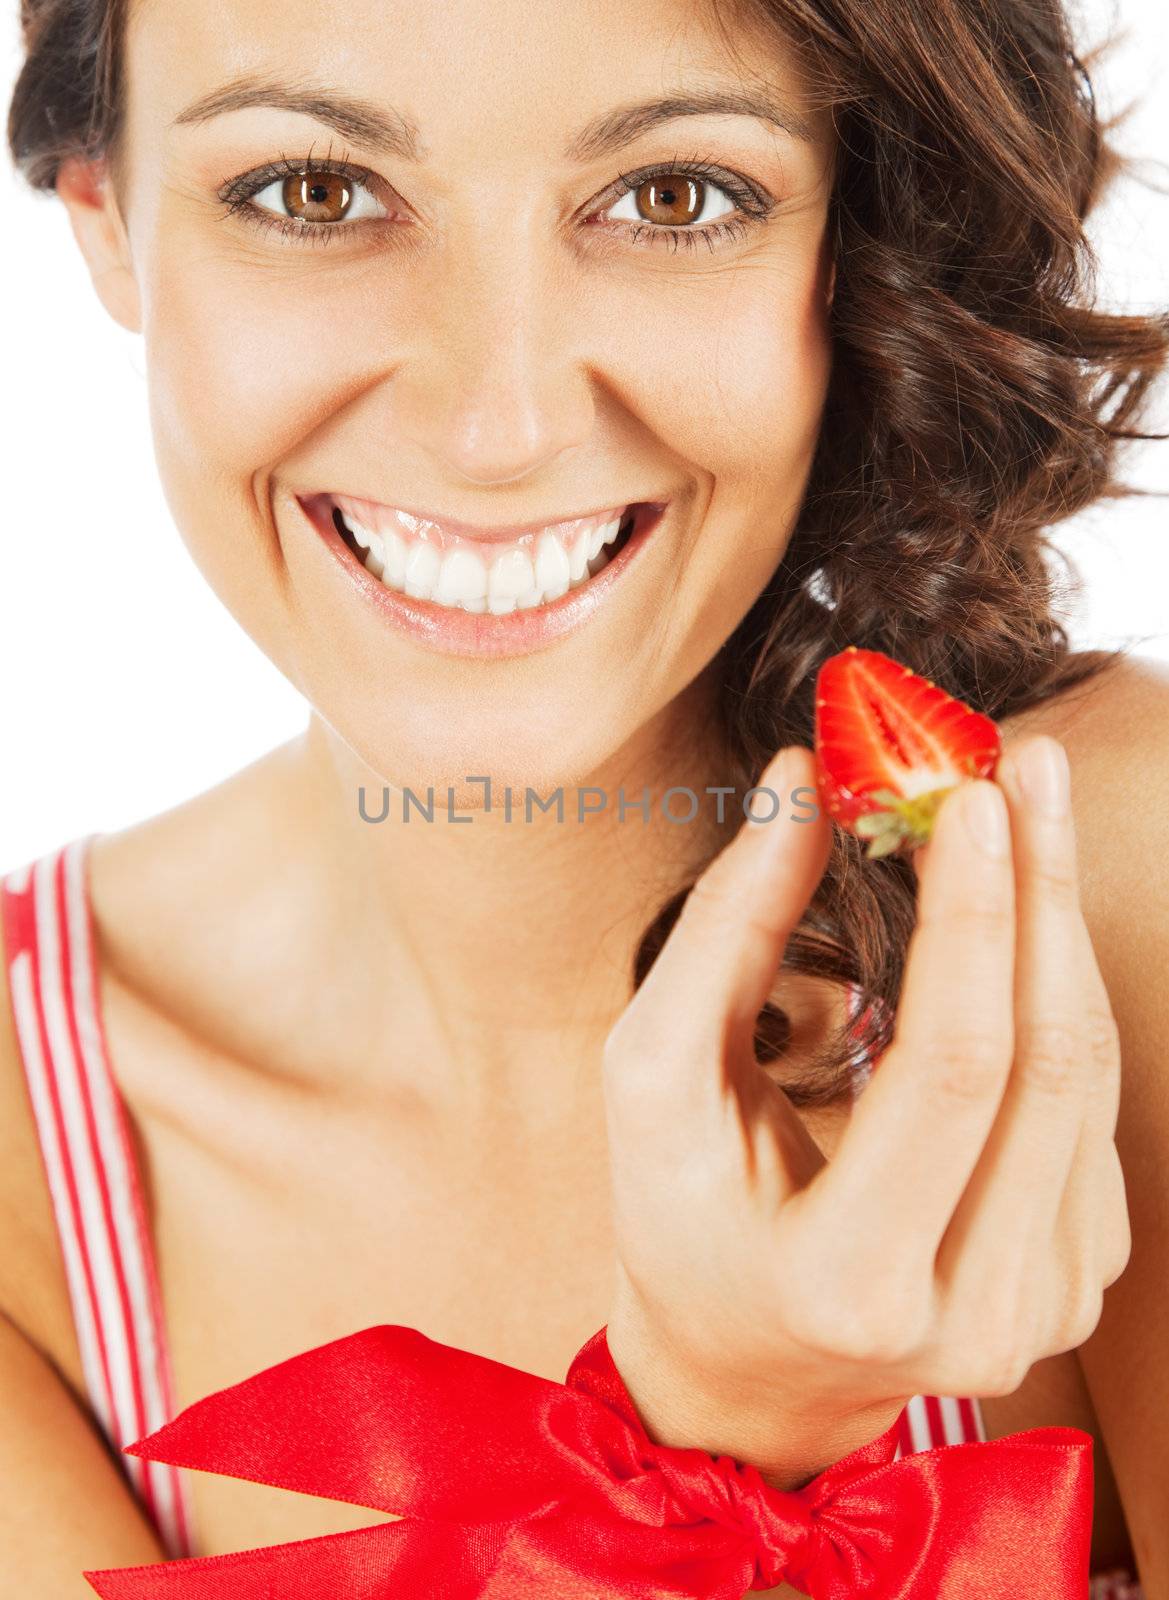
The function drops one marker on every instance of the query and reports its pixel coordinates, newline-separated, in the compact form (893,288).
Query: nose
(494,385)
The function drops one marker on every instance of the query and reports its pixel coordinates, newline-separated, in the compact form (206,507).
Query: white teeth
(375,558)
(462,577)
(511,575)
(604,535)
(422,568)
(552,567)
(578,560)
(395,568)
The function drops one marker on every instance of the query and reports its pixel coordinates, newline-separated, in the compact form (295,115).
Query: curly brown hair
(978,396)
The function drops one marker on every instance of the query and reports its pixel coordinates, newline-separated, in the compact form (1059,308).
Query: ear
(87,192)
(826,268)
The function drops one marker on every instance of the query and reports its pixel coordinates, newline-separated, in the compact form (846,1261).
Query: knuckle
(715,907)
(1102,1036)
(843,1329)
(1085,1317)
(1119,1247)
(872,1347)
(710,895)
(1082,1304)
(1054,877)
(1117,1259)
(981,921)
(1002,1368)
(821,1325)
(1049,1053)
(893,1344)
(1075,1301)
(969,1068)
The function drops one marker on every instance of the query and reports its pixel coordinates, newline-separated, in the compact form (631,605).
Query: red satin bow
(520,1487)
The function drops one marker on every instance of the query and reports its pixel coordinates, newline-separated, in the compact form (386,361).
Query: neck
(497,949)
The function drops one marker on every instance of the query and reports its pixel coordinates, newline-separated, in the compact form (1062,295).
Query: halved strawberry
(889,745)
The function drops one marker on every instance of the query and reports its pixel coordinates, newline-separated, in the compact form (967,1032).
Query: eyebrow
(625,123)
(391,133)
(359,120)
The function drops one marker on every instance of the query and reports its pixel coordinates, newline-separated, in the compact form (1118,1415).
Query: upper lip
(501,534)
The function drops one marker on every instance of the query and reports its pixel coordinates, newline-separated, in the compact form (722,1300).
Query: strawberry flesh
(889,745)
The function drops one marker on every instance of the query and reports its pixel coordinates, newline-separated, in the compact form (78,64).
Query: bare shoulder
(33,1292)
(1122,709)
(1115,729)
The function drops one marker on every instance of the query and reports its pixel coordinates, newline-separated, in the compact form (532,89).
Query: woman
(656,354)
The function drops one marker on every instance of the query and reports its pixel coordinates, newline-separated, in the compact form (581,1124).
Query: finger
(714,972)
(1088,1237)
(1094,1206)
(1006,1218)
(916,1134)
(1015,1193)
(1093,1238)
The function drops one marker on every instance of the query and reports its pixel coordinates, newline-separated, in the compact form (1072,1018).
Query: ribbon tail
(390,1419)
(559,1553)
(385,1562)
(986,1519)
(582,1553)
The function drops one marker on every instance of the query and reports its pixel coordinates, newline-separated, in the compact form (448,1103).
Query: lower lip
(453,631)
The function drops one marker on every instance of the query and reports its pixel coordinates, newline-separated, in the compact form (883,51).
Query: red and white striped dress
(92,1171)
(97,1196)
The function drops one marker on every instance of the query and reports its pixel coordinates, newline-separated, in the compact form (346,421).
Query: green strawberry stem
(901,822)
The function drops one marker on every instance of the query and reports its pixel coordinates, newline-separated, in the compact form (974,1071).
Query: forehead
(499,74)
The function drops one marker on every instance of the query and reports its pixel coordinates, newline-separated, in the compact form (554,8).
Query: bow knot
(778,1529)
(509,1486)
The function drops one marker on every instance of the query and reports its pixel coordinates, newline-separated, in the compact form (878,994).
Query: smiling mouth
(431,562)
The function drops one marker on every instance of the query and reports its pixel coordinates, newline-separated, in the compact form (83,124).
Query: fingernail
(985,813)
(1043,769)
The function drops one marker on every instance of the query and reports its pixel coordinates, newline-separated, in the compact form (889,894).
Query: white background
(125,686)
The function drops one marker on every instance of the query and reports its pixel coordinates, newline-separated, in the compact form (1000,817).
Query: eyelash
(754,205)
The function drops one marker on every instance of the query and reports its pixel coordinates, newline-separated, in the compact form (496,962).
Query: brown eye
(316,199)
(317,196)
(672,201)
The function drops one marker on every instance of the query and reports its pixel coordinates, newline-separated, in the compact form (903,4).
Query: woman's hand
(781,1309)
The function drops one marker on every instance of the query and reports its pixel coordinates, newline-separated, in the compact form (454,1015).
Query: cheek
(752,414)
(244,364)
(742,397)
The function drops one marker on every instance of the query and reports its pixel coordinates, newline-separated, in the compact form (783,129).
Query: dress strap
(92,1171)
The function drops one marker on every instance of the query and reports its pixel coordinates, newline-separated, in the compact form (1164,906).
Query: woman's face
(471,329)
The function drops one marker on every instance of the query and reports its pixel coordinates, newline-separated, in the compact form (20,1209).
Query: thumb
(713,974)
